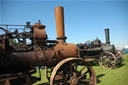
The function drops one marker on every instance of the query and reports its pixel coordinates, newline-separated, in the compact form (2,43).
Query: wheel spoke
(103,63)
(111,65)
(84,81)
(82,69)
(61,81)
(82,75)
(60,78)
(71,69)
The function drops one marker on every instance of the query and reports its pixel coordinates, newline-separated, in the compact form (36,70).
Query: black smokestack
(107,36)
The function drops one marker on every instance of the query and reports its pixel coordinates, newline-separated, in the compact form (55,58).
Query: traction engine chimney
(107,36)
(59,16)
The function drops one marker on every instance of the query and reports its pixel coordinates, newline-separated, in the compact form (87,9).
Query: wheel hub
(107,60)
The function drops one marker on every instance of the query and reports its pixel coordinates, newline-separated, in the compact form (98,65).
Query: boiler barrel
(17,61)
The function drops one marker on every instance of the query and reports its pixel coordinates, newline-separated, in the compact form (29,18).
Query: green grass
(117,76)
(43,81)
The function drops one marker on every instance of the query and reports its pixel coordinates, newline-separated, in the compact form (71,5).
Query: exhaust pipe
(107,36)
(59,16)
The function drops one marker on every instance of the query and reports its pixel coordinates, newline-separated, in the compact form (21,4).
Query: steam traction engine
(22,51)
(105,53)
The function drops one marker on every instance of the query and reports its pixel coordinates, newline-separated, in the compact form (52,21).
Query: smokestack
(59,16)
(107,36)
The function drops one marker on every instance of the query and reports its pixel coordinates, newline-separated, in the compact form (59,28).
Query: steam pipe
(107,36)
(59,16)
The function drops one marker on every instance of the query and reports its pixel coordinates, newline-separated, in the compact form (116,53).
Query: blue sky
(84,19)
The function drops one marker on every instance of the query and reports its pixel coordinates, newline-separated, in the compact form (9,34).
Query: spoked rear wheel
(73,71)
(107,60)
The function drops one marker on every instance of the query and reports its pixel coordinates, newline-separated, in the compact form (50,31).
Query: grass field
(117,76)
